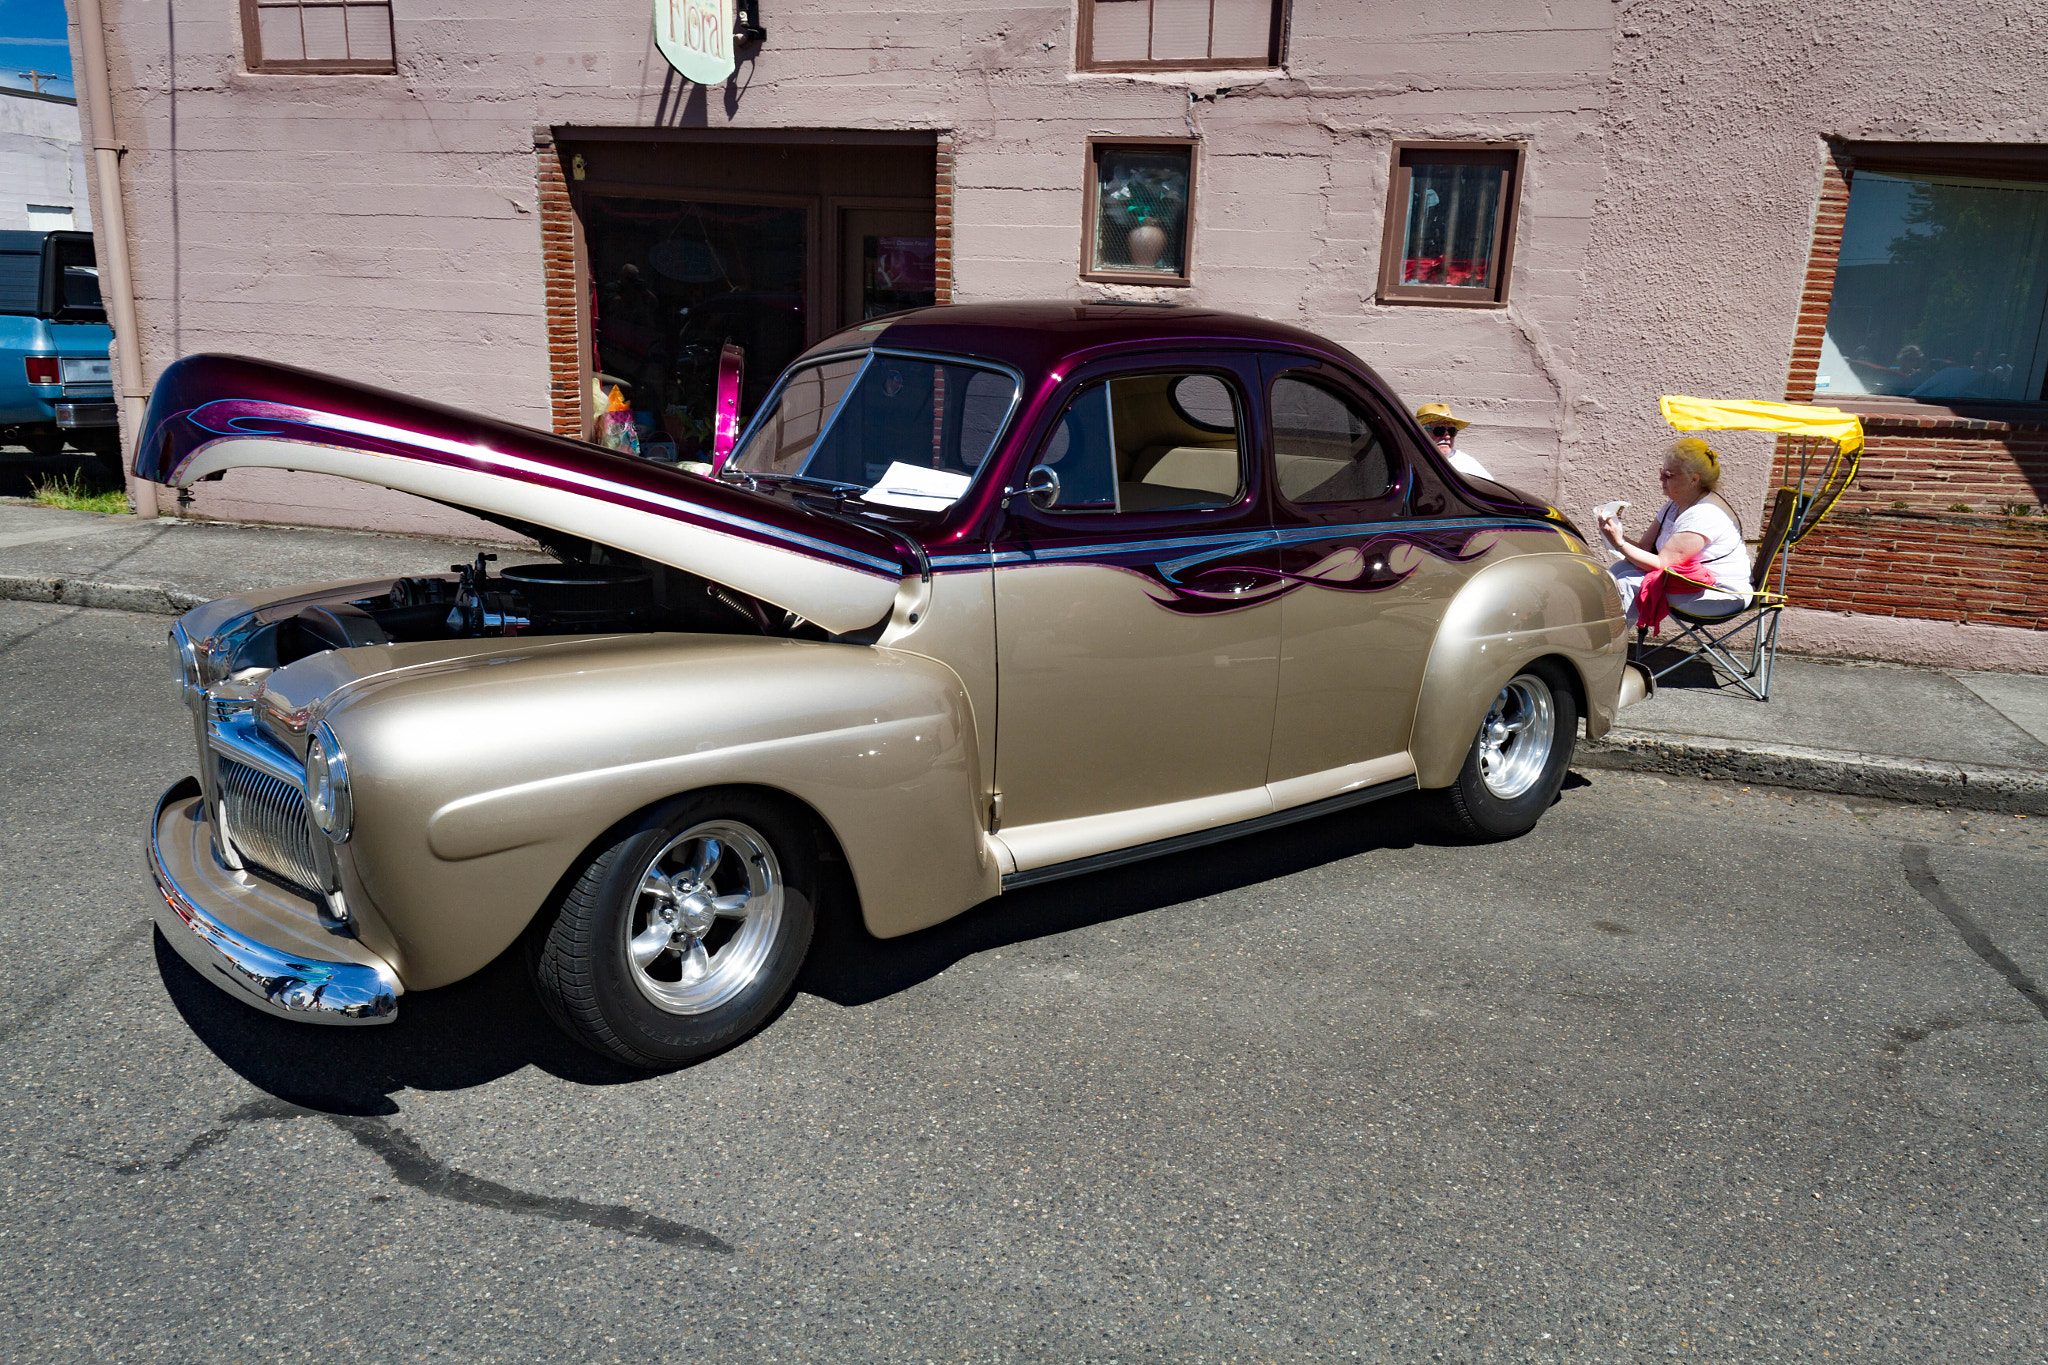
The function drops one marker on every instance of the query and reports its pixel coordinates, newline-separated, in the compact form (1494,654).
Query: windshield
(923,422)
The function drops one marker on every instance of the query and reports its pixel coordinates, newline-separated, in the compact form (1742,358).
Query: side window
(1083,455)
(1149,443)
(1324,448)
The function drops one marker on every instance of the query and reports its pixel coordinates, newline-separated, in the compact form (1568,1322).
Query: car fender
(480,783)
(1506,616)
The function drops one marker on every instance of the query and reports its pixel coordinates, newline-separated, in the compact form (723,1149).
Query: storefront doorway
(769,245)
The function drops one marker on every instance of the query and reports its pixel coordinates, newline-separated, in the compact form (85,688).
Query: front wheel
(1518,759)
(685,933)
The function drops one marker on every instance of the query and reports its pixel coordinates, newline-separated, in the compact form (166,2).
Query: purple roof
(1035,336)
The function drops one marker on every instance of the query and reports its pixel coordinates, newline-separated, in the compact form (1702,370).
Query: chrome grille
(266,819)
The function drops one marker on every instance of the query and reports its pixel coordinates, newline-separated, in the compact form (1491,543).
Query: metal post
(110,236)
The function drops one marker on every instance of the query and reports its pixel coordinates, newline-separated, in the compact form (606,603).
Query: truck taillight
(42,369)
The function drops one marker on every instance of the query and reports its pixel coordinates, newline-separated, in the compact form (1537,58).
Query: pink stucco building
(1545,216)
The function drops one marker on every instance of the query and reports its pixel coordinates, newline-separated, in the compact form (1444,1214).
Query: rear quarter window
(21,281)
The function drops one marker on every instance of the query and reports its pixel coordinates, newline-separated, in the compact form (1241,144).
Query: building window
(1140,205)
(319,35)
(1941,289)
(1450,228)
(1125,35)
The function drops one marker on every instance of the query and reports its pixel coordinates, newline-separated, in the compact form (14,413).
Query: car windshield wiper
(810,503)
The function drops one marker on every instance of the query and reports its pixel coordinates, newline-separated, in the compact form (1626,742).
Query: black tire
(584,964)
(1485,804)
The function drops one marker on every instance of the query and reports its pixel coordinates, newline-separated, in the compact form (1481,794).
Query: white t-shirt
(1465,464)
(1726,558)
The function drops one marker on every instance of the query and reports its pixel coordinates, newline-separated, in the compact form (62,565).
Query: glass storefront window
(1941,289)
(897,273)
(670,283)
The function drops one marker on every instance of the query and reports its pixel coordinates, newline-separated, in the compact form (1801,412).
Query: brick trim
(1818,289)
(1979,426)
(942,191)
(558,271)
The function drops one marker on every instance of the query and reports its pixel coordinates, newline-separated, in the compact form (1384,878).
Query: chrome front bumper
(258,941)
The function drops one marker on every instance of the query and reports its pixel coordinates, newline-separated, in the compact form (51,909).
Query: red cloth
(1651,606)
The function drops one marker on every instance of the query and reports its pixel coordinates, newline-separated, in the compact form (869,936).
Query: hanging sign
(696,37)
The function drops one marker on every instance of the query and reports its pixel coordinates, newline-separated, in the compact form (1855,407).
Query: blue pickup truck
(55,383)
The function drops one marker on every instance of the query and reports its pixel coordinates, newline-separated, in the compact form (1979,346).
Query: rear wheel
(685,933)
(1517,760)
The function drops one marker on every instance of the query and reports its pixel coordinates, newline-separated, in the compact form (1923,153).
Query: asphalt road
(1691,1072)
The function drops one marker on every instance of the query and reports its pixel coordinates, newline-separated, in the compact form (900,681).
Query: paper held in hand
(908,485)
(1609,509)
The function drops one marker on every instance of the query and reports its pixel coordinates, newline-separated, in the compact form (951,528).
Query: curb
(2021,791)
(86,592)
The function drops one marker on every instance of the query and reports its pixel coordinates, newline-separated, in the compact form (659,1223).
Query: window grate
(319,35)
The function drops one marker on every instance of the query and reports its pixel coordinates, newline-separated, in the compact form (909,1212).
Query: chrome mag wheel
(705,917)
(1516,738)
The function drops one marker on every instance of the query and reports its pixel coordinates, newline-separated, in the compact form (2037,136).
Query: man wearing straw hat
(1443,428)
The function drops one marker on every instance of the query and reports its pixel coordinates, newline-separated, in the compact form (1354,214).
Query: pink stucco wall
(386,227)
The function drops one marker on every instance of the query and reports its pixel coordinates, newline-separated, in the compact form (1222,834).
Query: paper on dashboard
(909,485)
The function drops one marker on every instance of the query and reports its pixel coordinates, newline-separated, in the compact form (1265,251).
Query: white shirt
(1726,558)
(1465,464)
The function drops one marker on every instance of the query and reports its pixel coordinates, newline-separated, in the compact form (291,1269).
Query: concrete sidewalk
(1968,739)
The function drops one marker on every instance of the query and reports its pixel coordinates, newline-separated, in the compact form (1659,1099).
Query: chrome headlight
(327,794)
(185,672)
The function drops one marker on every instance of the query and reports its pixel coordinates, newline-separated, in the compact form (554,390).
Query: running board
(1179,843)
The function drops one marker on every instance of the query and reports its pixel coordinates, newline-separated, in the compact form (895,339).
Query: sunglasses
(1437,433)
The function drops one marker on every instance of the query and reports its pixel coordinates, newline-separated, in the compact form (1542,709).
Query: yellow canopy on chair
(1745,414)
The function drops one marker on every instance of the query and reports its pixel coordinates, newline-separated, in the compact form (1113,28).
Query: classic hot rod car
(983,596)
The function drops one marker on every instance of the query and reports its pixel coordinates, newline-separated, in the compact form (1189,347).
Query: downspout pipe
(110,235)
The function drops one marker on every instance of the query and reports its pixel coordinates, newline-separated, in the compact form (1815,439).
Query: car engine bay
(608,595)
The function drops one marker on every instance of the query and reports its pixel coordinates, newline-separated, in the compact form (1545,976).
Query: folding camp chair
(1827,445)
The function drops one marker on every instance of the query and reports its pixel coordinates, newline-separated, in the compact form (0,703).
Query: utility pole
(36,78)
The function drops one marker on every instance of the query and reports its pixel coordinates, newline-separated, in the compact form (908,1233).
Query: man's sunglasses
(1436,433)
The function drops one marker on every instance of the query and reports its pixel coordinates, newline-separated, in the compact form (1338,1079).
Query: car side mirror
(1042,486)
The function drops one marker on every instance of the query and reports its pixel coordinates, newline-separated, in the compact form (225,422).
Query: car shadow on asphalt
(481,1028)
(850,967)
(491,1024)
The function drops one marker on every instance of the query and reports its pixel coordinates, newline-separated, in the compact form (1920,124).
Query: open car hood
(212,413)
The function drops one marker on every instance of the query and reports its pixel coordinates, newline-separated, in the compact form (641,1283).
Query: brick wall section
(558,268)
(1896,545)
(1819,286)
(1985,572)
(1944,520)
(942,257)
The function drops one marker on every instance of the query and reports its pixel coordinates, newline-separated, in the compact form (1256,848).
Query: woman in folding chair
(1693,556)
